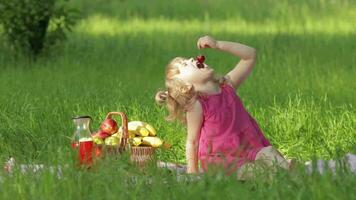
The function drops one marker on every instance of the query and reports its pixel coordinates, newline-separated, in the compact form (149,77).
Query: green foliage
(30,26)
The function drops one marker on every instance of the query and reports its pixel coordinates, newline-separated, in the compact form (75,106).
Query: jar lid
(82,117)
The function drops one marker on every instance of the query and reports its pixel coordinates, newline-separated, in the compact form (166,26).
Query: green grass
(301,92)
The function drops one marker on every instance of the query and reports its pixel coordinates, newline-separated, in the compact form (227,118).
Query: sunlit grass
(104,25)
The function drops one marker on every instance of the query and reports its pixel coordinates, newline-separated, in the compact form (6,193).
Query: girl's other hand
(206,42)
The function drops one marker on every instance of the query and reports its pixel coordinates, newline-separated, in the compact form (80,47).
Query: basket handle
(125,129)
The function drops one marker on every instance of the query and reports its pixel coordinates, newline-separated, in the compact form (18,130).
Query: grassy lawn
(302,93)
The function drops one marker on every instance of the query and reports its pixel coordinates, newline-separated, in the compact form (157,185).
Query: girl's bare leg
(246,172)
(268,159)
(272,158)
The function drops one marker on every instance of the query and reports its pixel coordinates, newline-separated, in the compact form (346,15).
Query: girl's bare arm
(243,68)
(247,54)
(194,122)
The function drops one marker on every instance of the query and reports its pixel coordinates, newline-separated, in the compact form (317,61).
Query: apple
(112,141)
(100,134)
(109,126)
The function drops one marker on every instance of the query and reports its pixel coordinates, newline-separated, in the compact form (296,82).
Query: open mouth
(200,65)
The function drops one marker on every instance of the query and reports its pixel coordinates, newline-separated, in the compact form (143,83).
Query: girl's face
(190,73)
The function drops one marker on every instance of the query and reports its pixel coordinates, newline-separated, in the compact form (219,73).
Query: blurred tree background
(30,26)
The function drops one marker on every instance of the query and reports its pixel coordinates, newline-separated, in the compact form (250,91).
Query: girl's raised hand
(206,42)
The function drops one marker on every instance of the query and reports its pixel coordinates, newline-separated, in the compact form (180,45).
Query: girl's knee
(265,151)
(271,156)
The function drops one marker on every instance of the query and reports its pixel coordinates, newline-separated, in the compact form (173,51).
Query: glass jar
(82,140)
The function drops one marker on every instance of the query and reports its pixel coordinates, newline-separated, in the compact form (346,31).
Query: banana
(140,128)
(136,141)
(135,125)
(139,133)
(151,130)
(143,132)
(152,141)
(132,134)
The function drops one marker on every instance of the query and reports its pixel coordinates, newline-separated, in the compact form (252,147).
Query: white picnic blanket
(322,166)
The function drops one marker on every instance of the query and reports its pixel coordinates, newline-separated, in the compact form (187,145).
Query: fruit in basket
(118,135)
(131,134)
(151,130)
(99,137)
(98,140)
(100,134)
(152,141)
(133,125)
(109,126)
(112,141)
(140,128)
(136,141)
(143,132)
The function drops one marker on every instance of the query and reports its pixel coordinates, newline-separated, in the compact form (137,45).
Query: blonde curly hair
(178,96)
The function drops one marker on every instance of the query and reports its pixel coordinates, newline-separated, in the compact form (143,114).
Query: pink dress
(229,136)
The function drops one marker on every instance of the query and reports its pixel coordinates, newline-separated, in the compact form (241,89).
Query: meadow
(302,92)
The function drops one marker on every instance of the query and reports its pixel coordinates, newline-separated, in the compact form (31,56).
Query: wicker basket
(138,155)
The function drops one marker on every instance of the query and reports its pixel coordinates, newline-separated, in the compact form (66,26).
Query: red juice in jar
(86,150)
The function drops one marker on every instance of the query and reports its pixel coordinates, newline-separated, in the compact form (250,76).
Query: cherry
(200,58)
(200,61)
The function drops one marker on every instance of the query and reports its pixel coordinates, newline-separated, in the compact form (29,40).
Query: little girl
(221,133)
